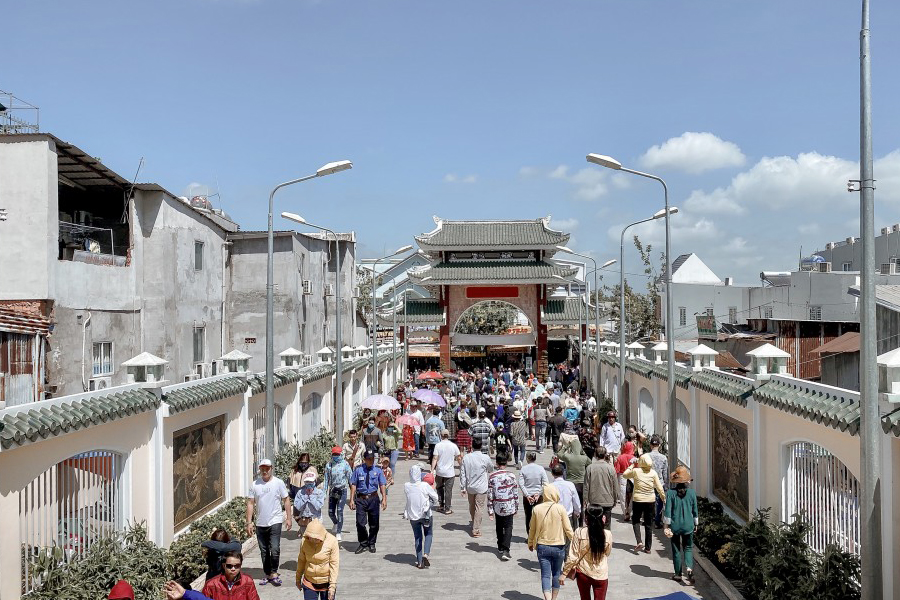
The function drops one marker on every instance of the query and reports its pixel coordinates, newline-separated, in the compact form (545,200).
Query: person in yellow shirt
(643,500)
(317,563)
(588,555)
(550,529)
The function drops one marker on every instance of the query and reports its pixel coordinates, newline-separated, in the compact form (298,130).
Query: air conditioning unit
(885,230)
(99,383)
(895,227)
(329,289)
(191,377)
(356,292)
(830,246)
(888,269)
(307,287)
(824,267)
(851,240)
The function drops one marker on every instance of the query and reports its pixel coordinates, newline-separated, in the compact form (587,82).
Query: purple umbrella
(380,402)
(429,397)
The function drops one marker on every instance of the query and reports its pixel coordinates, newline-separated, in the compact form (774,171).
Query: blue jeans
(336,511)
(422,527)
(416,435)
(309,594)
(541,435)
(394,454)
(518,453)
(269,539)
(551,560)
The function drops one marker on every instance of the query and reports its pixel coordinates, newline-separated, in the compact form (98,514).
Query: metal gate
(823,488)
(70,505)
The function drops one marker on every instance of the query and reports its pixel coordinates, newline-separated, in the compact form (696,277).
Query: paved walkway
(463,567)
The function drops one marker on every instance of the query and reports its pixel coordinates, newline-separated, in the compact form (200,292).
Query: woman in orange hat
(681,517)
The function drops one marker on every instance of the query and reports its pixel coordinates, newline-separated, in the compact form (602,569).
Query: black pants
(555,442)
(528,510)
(269,539)
(579,487)
(504,531)
(367,509)
(431,452)
(607,517)
(444,488)
(643,510)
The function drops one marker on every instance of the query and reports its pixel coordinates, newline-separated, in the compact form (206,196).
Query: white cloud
(589,183)
(563,224)
(454,178)
(559,172)
(694,153)
(528,172)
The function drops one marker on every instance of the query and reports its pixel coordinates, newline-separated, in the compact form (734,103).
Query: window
(815,313)
(103,361)
(682,316)
(848,266)
(767,312)
(732,315)
(710,311)
(199,344)
(198,256)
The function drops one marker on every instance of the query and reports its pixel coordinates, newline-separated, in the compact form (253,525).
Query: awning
(472,339)
(849,342)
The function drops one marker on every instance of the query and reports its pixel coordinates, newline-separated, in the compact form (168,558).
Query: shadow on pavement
(645,571)
(629,548)
(517,595)
(455,527)
(518,540)
(475,547)
(529,564)
(401,559)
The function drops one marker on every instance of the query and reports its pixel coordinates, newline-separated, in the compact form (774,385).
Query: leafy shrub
(837,575)
(749,548)
(185,558)
(128,555)
(715,532)
(787,570)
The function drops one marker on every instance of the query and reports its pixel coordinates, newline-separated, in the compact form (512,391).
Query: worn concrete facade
(121,269)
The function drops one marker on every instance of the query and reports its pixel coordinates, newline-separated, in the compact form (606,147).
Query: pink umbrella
(407,420)
(429,397)
(380,402)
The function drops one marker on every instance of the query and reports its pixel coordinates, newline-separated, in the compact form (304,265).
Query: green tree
(641,309)
(364,285)
(488,318)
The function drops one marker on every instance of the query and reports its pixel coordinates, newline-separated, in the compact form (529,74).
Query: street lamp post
(374,386)
(339,416)
(620,403)
(596,306)
(328,169)
(611,163)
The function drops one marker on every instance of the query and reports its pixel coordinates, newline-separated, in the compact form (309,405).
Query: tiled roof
(423,311)
(563,311)
(310,373)
(488,272)
(735,389)
(891,422)
(204,392)
(831,408)
(48,420)
(682,374)
(496,235)
(642,367)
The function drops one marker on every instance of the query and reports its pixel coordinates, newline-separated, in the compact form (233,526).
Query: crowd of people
(489,426)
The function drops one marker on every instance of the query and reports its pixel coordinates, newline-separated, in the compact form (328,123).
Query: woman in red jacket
(623,461)
(231,584)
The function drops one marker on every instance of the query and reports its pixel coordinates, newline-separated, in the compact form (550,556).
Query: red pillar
(542,368)
(445,348)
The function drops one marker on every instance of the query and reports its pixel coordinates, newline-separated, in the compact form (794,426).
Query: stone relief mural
(730,472)
(198,469)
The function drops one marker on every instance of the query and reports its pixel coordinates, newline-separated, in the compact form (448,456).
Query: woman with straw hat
(681,517)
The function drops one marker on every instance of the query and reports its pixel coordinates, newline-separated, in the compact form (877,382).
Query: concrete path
(463,567)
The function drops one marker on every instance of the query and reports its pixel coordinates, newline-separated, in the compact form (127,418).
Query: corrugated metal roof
(16,322)
(48,419)
(885,295)
(849,342)
(492,272)
(474,235)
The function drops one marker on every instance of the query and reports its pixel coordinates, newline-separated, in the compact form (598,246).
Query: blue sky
(483,110)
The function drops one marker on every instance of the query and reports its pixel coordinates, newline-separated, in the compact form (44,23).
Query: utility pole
(870,439)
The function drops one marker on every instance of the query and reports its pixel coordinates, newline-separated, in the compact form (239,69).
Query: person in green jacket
(681,518)
(571,453)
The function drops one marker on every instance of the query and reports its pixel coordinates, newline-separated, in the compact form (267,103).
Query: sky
(484,110)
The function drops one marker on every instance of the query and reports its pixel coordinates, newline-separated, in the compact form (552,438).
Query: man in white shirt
(269,495)
(416,414)
(568,495)
(612,436)
(446,458)
(473,480)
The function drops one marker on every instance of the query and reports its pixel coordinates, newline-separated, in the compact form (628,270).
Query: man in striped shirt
(503,503)
(482,429)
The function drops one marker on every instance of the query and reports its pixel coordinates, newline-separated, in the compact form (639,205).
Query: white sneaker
(339,538)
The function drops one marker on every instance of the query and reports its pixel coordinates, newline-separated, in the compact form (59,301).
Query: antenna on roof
(17,116)
(130,195)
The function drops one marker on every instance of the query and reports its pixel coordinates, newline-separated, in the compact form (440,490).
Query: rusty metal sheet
(21,368)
